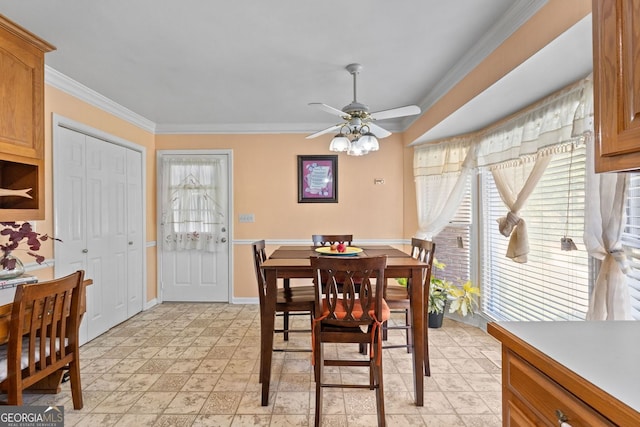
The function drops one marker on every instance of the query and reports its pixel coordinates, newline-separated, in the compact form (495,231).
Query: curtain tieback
(507,223)
(620,257)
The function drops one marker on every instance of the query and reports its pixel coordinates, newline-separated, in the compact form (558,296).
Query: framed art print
(317,179)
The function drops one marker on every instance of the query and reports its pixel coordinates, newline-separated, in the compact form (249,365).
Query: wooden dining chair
(296,300)
(339,317)
(397,298)
(330,239)
(43,336)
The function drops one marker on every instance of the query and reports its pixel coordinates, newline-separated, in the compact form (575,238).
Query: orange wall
(265,172)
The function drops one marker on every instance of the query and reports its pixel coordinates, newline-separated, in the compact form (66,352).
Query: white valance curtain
(191,210)
(441,172)
(556,120)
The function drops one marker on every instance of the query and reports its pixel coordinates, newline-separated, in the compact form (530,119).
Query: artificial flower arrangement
(17,233)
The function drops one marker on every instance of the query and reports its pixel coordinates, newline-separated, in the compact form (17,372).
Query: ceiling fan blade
(327,130)
(378,131)
(329,109)
(409,110)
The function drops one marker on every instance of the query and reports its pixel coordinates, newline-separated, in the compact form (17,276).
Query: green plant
(462,298)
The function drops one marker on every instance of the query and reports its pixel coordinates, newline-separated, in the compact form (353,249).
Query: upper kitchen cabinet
(616,74)
(21,123)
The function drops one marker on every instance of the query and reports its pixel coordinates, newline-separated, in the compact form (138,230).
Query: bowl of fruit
(339,249)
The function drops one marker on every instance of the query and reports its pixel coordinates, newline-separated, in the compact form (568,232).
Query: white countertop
(607,354)
(6,295)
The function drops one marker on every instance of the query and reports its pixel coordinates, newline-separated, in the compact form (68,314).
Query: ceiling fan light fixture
(339,143)
(358,122)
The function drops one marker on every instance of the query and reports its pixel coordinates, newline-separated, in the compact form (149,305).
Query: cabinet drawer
(544,396)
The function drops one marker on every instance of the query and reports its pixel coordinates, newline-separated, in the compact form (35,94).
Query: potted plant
(460,299)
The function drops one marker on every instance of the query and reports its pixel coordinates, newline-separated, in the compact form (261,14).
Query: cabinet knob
(130,243)
(223,240)
(84,251)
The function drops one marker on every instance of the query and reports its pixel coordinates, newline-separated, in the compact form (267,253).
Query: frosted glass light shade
(369,142)
(356,149)
(339,143)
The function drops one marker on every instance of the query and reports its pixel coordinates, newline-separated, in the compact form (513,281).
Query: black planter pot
(435,320)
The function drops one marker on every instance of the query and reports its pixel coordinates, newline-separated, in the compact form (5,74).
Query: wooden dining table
(293,262)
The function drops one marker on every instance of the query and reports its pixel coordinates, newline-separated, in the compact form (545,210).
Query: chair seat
(24,359)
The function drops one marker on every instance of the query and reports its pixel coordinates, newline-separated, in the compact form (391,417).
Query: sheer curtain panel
(191,210)
(604,224)
(441,174)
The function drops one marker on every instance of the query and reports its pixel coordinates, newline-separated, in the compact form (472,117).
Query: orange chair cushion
(340,311)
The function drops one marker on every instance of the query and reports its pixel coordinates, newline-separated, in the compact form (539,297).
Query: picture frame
(318,179)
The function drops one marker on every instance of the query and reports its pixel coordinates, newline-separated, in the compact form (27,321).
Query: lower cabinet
(537,390)
(532,398)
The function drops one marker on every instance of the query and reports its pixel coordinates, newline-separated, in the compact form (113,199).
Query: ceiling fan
(358,122)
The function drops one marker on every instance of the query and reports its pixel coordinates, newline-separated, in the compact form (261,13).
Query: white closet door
(135,233)
(98,211)
(106,235)
(70,190)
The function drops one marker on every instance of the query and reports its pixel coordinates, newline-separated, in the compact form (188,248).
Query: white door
(98,216)
(190,274)
(135,234)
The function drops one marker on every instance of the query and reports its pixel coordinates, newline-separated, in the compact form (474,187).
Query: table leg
(267,326)
(419,325)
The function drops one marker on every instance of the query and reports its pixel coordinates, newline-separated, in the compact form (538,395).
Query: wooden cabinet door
(21,91)
(21,123)
(616,72)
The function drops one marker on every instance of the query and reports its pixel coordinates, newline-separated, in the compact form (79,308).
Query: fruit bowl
(348,251)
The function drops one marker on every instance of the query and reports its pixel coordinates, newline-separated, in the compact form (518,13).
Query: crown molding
(66,84)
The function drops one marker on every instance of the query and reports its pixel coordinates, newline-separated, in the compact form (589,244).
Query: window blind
(631,242)
(553,284)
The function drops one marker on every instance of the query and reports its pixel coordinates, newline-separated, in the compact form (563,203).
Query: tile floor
(185,364)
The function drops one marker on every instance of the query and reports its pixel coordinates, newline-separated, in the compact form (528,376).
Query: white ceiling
(254,65)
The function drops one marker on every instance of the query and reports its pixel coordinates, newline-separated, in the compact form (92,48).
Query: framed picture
(317,179)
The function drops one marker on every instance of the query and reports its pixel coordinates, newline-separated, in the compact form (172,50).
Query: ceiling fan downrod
(354,70)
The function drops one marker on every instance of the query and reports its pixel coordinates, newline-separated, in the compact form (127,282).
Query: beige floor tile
(152,402)
(197,364)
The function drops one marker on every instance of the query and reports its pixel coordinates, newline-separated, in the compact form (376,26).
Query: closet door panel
(135,233)
(106,239)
